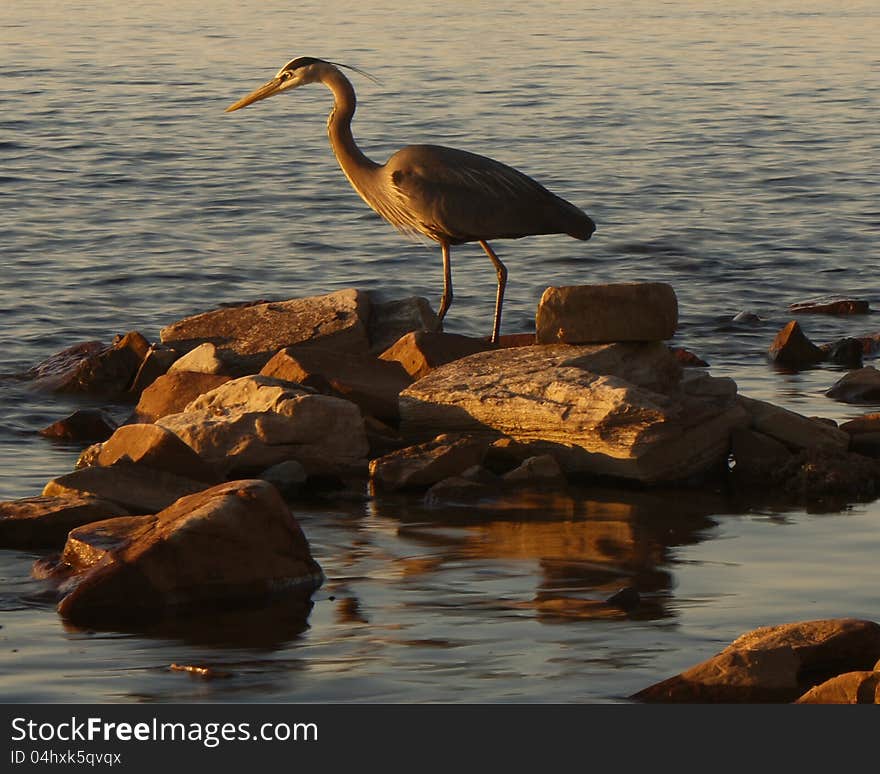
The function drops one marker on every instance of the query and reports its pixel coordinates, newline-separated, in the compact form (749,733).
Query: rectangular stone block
(595,314)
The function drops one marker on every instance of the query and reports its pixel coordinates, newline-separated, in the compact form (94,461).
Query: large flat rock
(337,320)
(620,410)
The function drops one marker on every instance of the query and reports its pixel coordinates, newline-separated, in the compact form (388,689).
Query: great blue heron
(449,195)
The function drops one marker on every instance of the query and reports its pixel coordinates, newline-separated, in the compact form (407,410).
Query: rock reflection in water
(586,543)
(266,626)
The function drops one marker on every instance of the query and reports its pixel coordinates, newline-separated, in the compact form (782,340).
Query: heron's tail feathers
(583,228)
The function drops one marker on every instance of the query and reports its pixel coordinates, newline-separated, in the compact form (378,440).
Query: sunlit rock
(831,305)
(172,392)
(254,422)
(688,359)
(425,464)
(89,544)
(86,369)
(849,688)
(137,488)
(367,381)
(337,320)
(619,410)
(774,663)
(791,348)
(586,314)
(156,447)
(420,352)
(208,358)
(230,545)
(45,521)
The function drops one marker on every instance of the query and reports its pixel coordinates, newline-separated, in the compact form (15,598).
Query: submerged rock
(817,474)
(619,410)
(774,663)
(337,321)
(86,369)
(86,425)
(42,522)
(587,314)
(229,545)
(864,433)
(860,386)
(831,305)
(844,352)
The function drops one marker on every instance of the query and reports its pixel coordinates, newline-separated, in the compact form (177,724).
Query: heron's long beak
(266,90)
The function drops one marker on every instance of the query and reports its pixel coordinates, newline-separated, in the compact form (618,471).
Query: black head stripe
(301,61)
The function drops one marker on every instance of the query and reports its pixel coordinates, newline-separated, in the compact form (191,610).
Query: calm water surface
(730,149)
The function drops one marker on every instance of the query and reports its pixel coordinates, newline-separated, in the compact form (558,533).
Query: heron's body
(449,195)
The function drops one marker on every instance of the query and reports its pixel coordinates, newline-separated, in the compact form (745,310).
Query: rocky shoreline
(238,412)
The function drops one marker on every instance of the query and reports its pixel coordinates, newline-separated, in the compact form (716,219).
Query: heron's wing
(461,197)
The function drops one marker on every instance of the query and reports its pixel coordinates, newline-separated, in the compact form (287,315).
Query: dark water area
(732,152)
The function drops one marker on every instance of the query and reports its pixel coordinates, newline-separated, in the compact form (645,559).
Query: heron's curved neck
(354,163)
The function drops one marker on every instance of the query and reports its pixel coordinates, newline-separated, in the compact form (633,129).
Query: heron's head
(297,72)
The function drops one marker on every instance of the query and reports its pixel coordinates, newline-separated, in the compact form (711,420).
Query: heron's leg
(446,298)
(501,271)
